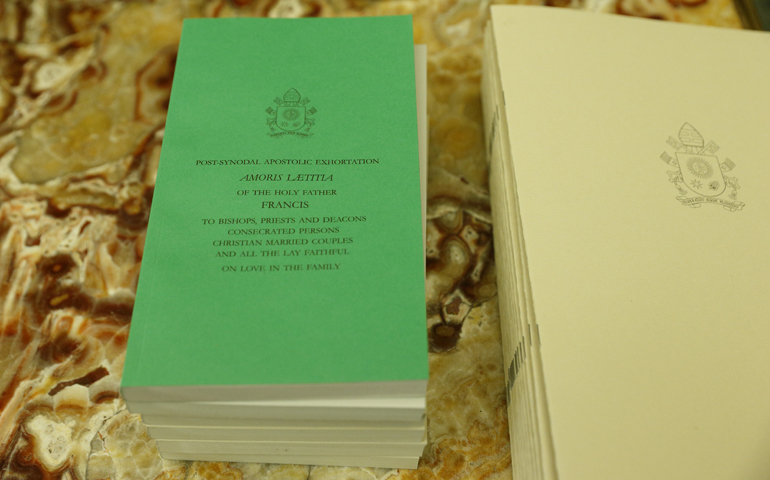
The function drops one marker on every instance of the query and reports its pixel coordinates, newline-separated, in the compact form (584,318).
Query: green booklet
(284,254)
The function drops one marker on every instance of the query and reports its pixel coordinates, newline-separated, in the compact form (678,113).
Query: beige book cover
(528,450)
(641,152)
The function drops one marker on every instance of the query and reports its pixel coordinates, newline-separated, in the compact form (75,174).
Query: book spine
(531,442)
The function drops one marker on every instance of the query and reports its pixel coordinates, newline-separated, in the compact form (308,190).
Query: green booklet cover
(285,240)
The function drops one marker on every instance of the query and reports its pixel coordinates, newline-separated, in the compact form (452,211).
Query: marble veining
(84,89)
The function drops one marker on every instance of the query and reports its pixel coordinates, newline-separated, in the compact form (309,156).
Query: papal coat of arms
(700,177)
(291,116)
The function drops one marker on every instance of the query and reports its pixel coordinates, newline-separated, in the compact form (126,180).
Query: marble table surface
(84,88)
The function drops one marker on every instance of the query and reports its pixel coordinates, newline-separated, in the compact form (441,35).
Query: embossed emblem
(700,177)
(291,116)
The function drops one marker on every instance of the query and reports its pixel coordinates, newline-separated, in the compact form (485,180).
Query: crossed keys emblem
(700,176)
(290,116)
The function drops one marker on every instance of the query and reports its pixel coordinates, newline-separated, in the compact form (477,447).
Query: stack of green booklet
(280,312)
(628,160)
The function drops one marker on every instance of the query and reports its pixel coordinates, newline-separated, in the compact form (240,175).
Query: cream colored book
(629,162)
